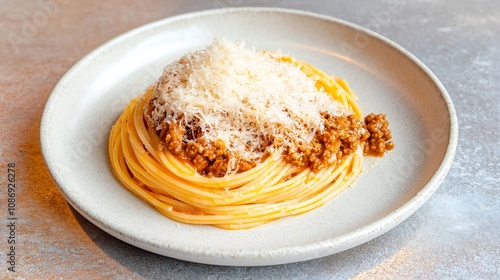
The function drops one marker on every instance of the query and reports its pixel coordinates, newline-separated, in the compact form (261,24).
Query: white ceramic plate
(89,98)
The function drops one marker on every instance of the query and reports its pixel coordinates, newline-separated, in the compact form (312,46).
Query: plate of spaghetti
(191,139)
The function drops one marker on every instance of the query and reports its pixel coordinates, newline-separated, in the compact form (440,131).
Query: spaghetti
(274,187)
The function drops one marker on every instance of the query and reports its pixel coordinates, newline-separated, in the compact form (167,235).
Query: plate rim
(254,256)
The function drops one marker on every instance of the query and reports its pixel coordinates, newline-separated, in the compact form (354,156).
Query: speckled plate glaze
(88,99)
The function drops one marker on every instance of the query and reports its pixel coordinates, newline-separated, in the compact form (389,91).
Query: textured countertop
(454,235)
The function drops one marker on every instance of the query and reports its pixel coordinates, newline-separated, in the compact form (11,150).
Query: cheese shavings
(245,98)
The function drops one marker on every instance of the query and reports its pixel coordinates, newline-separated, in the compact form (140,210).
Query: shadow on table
(351,263)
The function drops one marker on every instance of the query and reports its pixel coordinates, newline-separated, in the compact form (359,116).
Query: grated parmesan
(242,97)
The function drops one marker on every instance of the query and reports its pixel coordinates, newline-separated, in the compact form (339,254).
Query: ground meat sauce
(209,159)
(380,139)
(340,137)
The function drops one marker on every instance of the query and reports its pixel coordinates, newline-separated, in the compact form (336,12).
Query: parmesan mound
(241,96)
